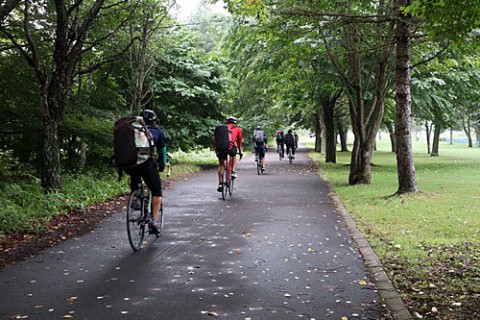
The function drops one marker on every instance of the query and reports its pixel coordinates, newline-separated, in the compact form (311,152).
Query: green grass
(26,209)
(420,232)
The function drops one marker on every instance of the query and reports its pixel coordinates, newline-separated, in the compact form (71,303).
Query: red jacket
(236,136)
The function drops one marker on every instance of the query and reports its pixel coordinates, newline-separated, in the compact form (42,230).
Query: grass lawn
(429,243)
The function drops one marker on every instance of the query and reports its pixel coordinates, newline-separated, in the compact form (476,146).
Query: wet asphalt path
(276,250)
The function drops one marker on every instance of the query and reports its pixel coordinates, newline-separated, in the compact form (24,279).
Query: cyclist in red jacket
(236,147)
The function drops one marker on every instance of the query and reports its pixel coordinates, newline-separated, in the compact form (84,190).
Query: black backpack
(221,137)
(132,142)
(289,139)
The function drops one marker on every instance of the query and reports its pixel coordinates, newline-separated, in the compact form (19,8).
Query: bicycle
(290,156)
(139,214)
(227,180)
(259,165)
(280,152)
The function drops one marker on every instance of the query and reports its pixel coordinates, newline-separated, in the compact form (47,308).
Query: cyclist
(148,170)
(260,145)
(235,137)
(280,138)
(290,142)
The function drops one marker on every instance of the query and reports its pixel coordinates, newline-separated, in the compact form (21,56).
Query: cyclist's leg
(233,154)
(222,158)
(152,180)
(261,153)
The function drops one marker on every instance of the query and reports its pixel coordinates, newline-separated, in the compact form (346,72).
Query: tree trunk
(328,117)
(50,157)
(391,133)
(468,131)
(436,140)
(428,130)
(407,181)
(318,133)
(342,133)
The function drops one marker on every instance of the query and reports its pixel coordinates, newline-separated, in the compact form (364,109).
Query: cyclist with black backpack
(148,170)
(227,140)
(290,142)
(260,145)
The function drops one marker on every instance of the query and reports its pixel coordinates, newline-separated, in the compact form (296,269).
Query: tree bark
(318,132)
(407,181)
(428,130)
(468,131)
(342,133)
(436,140)
(391,133)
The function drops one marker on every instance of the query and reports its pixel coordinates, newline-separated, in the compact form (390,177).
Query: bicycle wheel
(230,184)
(224,182)
(135,220)
(290,157)
(259,167)
(279,154)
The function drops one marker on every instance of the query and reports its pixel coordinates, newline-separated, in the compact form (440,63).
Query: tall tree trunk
(391,133)
(318,132)
(50,157)
(328,117)
(428,131)
(407,181)
(468,131)
(436,140)
(342,133)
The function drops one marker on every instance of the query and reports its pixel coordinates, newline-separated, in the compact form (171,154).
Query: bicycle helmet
(232,120)
(149,116)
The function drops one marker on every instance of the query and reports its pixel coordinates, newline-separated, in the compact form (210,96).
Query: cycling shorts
(260,150)
(223,155)
(149,173)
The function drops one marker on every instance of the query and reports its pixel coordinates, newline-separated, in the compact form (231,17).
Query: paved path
(276,250)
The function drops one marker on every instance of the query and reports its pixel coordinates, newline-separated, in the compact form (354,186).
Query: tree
(56,67)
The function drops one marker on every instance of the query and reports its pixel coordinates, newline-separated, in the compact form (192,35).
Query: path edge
(379,277)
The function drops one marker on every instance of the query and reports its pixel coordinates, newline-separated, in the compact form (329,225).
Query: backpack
(289,139)
(221,137)
(132,142)
(258,137)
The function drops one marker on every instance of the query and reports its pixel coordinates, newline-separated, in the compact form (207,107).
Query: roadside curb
(385,288)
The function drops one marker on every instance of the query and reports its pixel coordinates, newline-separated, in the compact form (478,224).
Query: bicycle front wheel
(135,220)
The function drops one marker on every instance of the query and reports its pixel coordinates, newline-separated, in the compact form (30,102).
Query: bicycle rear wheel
(259,167)
(290,157)
(135,220)
(230,185)
(224,183)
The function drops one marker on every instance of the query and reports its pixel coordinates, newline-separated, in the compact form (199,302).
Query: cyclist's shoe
(234,175)
(153,227)
(135,205)
(220,187)
(263,169)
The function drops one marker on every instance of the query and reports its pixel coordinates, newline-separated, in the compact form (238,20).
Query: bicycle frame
(227,181)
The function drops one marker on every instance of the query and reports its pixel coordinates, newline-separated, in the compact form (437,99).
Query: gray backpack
(258,137)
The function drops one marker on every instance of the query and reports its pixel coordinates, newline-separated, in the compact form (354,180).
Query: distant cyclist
(148,170)
(296,139)
(290,142)
(280,139)
(260,145)
(235,137)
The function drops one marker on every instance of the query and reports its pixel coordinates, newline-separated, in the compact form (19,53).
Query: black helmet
(149,116)
(232,120)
